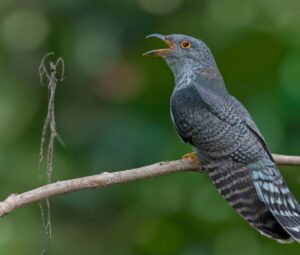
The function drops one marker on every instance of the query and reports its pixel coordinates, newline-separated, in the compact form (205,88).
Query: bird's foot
(192,156)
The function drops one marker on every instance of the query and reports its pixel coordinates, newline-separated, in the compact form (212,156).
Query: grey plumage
(229,145)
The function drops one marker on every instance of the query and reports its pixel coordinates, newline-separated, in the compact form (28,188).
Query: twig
(104,179)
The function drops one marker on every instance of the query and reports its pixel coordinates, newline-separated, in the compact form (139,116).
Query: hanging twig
(51,81)
(48,77)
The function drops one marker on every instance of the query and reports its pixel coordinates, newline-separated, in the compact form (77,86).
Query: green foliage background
(113,114)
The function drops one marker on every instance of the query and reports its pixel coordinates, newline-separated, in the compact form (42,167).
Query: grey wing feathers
(251,125)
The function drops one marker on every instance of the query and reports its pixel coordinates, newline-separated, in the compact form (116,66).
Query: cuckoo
(225,139)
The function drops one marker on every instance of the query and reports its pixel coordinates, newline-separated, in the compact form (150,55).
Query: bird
(226,141)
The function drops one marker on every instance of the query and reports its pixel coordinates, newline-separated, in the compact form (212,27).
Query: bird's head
(184,53)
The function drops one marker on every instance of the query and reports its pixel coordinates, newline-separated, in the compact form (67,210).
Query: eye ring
(185,45)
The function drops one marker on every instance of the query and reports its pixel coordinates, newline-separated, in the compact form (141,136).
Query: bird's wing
(250,124)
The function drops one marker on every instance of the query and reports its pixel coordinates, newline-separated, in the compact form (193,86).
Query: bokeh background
(113,113)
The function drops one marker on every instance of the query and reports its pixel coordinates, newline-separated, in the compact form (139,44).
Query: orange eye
(185,45)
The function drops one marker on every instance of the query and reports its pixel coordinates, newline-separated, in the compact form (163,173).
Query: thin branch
(104,179)
(286,160)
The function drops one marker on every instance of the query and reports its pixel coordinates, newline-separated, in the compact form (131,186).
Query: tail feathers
(289,220)
(268,226)
(238,188)
(274,193)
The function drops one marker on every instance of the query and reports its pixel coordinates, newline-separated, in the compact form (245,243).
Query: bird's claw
(192,156)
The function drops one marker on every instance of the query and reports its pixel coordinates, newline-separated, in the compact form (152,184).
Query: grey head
(192,63)
(186,55)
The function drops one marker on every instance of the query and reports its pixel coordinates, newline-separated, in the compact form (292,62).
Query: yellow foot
(192,156)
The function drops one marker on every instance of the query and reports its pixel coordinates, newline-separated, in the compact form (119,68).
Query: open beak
(161,52)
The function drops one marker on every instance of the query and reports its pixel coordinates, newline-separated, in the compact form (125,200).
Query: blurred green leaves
(290,77)
(95,51)
(160,7)
(24,30)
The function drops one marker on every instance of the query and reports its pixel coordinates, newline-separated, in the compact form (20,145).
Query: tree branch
(15,201)
(285,160)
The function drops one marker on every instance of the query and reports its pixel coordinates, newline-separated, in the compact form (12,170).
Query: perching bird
(226,140)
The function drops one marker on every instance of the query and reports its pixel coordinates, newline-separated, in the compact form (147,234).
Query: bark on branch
(15,201)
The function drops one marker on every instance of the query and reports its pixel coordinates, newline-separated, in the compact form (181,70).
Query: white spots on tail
(261,175)
(279,201)
(266,186)
(255,175)
(285,190)
(296,229)
(270,189)
(276,190)
(291,202)
(284,213)
(271,186)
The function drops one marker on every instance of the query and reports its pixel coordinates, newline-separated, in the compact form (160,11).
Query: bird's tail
(235,184)
(274,193)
